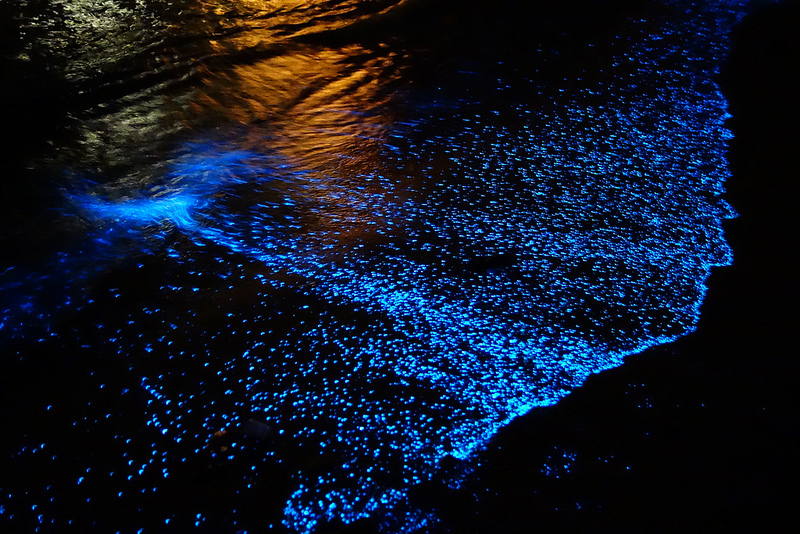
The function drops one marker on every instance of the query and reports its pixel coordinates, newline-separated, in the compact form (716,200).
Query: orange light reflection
(327,112)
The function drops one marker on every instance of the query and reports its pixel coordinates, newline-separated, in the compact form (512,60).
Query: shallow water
(301,257)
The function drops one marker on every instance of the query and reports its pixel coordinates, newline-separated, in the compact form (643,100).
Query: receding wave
(364,273)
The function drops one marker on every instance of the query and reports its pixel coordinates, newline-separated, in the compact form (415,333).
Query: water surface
(300,257)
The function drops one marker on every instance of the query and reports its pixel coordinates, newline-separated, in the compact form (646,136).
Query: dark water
(278,265)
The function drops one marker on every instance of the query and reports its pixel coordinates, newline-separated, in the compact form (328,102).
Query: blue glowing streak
(175,209)
(201,173)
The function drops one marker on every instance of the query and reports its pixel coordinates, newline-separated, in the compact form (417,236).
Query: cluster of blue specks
(381,324)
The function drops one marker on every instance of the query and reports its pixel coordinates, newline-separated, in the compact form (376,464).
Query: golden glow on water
(284,18)
(91,38)
(326,111)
